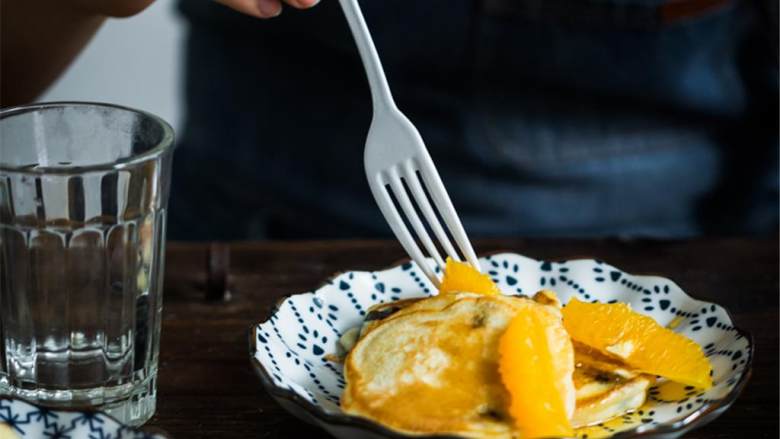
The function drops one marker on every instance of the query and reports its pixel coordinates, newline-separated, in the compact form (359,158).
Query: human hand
(126,8)
(112,8)
(266,8)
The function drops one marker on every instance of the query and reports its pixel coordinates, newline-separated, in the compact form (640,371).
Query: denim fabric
(610,121)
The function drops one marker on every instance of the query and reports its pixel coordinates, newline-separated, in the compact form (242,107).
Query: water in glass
(83,194)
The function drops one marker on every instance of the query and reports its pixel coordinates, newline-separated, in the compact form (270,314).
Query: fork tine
(410,175)
(411,214)
(442,201)
(399,228)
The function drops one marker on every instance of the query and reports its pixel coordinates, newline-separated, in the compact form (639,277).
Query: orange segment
(462,277)
(638,340)
(536,362)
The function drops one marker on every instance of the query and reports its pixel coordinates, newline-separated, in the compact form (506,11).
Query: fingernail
(269,8)
(305,4)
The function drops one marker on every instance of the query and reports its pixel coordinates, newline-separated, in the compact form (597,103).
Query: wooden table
(208,390)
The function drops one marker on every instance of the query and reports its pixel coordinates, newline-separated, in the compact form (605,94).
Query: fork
(397,163)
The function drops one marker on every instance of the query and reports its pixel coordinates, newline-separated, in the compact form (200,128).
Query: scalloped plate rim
(317,416)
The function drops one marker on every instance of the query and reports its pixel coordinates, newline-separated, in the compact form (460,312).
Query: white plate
(30,421)
(289,348)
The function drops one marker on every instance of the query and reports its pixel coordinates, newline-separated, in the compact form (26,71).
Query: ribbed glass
(83,195)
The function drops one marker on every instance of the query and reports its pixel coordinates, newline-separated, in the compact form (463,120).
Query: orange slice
(462,277)
(639,341)
(536,363)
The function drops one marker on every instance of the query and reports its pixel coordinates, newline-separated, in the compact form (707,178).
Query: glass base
(131,404)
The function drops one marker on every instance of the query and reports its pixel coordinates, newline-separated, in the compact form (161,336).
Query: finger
(255,8)
(302,4)
(116,8)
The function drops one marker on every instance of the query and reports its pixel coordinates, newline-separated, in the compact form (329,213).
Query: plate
(290,350)
(30,421)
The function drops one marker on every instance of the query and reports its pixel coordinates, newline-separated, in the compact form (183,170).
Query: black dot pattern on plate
(548,278)
(297,343)
(625,422)
(422,282)
(509,277)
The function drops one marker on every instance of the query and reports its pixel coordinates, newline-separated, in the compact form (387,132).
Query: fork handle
(380,90)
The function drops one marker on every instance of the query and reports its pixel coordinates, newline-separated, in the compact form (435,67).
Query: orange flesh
(529,372)
(616,330)
(462,277)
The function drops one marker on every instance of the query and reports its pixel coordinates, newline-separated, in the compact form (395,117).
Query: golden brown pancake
(431,366)
(606,387)
(6,432)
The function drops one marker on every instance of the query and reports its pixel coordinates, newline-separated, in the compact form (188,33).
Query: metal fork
(398,163)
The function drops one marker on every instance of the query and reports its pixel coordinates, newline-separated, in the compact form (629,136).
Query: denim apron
(544,117)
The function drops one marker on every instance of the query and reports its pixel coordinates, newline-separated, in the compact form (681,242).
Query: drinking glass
(83,196)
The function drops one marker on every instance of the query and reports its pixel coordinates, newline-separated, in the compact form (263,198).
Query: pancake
(423,366)
(432,367)
(379,313)
(606,387)
(376,315)
(6,432)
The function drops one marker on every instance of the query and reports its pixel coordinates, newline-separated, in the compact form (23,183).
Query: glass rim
(165,144)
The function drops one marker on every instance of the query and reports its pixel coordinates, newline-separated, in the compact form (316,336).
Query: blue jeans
(540,124)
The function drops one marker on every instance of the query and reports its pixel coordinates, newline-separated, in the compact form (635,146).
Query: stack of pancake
(430,366)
